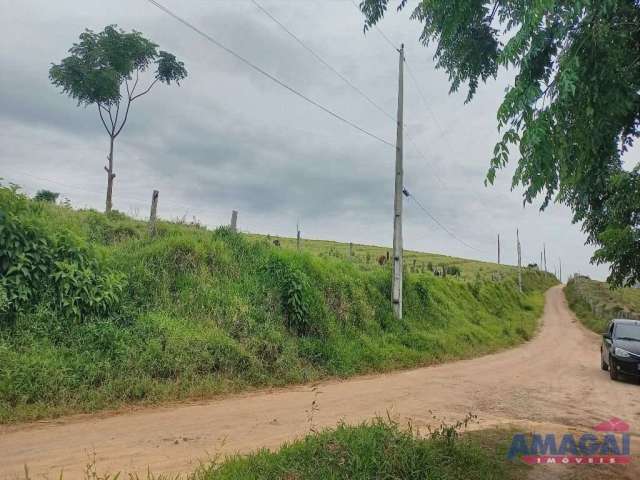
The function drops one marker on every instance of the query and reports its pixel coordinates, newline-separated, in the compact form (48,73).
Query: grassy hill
(366,256)
(95,313)
(595,303)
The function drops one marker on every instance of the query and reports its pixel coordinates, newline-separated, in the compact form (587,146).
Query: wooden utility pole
(234,220)
(519,260)
(154,212)
(396,288)
(498,249)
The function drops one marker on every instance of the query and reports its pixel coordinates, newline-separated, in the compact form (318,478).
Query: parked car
(620,350)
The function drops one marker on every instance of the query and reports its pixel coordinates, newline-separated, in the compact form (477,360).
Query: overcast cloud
(229,138)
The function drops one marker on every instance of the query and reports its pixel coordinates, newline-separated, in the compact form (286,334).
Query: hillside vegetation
(97,314)
(596,303)
(367,256)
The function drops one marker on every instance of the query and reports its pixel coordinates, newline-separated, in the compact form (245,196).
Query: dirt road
(553,379)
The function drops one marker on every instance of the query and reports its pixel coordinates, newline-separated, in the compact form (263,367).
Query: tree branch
(102,118)
(113,125)
(124,120)
(144,92)
(117,112)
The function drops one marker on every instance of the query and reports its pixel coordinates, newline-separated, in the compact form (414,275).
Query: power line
(427,106)
(266,74)
(322,60)
(411,139)
(438,222)
(345,79)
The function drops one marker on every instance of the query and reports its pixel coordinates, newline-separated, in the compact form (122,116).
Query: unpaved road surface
(553,381)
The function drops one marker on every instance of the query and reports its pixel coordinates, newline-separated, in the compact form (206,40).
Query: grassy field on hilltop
(95,314)
(595,303)
(366,256)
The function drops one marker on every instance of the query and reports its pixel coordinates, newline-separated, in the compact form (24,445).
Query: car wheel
(612,370)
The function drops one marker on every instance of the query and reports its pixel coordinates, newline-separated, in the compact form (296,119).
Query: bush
(54,268)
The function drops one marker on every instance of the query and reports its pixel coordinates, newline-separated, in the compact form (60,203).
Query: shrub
(57,268)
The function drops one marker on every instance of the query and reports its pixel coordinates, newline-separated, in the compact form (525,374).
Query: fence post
(154,212)
(234,221)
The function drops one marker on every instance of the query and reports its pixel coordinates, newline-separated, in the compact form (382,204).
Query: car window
(611,328)
(628,331)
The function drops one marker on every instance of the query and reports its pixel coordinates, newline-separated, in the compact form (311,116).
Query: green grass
(377,450)
(366,256)
(595,303)
(201,312)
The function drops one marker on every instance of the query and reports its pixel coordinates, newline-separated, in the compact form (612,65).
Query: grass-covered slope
(596,303)
(94,313)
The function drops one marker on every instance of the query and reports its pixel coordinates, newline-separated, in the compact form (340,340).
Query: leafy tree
(104,70)
(46,196)
(572,111)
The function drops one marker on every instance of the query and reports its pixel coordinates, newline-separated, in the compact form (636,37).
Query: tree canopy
(100,62)
(570,115)
(46,196)
(104,69)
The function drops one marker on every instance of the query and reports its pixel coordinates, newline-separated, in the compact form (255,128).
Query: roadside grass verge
(378,449)
(95,314)
(595,303)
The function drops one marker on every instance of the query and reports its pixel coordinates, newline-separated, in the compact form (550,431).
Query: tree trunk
(110,176)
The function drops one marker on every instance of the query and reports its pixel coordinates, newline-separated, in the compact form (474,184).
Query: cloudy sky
(229,138)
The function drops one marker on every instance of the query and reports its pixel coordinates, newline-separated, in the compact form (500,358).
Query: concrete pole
(154,212)
(234,220)
(560,269)
(498,249)
(544,251)
(519,261)
(396,287)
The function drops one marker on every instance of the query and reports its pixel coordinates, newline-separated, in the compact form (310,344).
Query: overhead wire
(275,79)
(438,222)
(345,79)
(270,76)
(321,59)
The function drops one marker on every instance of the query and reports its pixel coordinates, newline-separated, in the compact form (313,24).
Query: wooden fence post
(234,221)
(154,212)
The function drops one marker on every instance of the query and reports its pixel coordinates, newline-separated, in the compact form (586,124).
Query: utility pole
(498,249)
(544,250)
(560,269)
(519,260)
(298,236)
(396,287)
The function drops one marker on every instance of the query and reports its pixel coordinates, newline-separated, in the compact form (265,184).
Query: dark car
(620,350)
